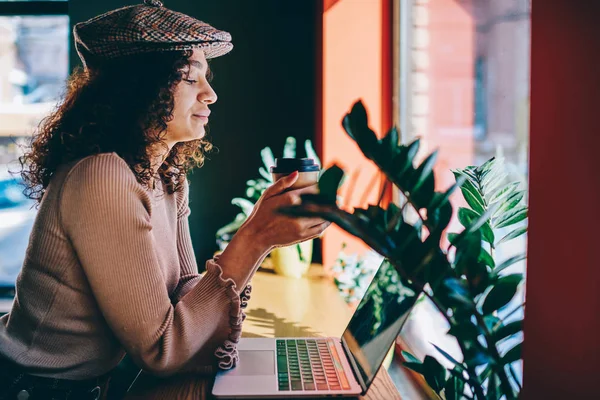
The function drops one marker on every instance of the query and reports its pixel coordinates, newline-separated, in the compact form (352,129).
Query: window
(34,37)
(463,87)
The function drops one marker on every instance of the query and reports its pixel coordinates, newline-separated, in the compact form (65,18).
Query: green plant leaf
(424,171)
(390,141)
(412,149)
(409,357)
(465,381)
(473,221)
(467,252)
(508,263)
(486,258)
(233,226)
(476,357)
(439,218)
(466,216)
(493,391)
(442,198)
(246,205)
(505,192)
(449,357)
(263,172)
(512,217)
(472,199)
(268,160)
(491,188)
(491,171)
(481,221)
(434,373)
(452,238)
(393,218)
(402,164)
(356,124)
(470,193)
(489,165)
(513,354)
(509,204)
(458,293)
(490,321)
(314,198)
(415,366)
(329,183)
(454,388)
(512,235)
(486,373)
(311,153)
(478,278)
(488,233)
(505,331)
(289,149)
(422,195)
(491,176)
(470,173)
(465,331)
(502,292)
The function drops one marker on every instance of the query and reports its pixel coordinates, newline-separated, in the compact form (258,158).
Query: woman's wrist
(241,256)
(253,239)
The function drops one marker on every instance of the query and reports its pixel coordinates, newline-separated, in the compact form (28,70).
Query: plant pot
(286,261)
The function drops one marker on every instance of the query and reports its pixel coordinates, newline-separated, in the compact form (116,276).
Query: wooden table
(279,307)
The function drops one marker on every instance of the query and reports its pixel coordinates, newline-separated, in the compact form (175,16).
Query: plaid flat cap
(145,28)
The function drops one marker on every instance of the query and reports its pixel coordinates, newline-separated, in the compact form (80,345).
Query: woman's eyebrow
(196,63)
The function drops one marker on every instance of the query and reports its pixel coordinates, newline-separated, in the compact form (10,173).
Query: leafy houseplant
(353,274)
(293,260)
(463,281)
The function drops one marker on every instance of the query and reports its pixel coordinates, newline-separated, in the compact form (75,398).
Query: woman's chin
(196,135)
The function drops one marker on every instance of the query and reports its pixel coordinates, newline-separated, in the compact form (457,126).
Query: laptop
(324,367)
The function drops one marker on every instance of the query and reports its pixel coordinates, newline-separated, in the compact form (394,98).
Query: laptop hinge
(355,370)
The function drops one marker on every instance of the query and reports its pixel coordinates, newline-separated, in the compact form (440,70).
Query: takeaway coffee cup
(308,170)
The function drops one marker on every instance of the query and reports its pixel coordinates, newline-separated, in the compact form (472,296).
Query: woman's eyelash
(190,81)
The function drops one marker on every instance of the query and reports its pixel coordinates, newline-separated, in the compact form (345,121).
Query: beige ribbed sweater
(110,268)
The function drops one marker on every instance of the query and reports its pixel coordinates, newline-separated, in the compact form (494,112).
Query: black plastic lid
(289,165)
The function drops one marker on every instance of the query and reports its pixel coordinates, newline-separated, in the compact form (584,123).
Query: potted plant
(462,280)
(292,261)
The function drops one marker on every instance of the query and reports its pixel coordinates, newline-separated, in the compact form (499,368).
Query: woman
(110,267)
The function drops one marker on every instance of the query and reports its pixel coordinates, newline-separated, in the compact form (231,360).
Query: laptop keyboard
(311,364)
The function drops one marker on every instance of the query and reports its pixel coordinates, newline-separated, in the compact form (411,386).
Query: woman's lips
(203,118)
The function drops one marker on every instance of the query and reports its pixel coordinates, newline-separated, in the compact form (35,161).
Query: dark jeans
(18,385)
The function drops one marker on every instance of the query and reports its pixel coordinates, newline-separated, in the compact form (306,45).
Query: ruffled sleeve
(227,353)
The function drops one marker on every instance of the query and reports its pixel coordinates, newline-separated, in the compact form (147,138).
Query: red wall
(562,338)
(356,49)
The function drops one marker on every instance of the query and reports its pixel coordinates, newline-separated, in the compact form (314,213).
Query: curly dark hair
(122,106)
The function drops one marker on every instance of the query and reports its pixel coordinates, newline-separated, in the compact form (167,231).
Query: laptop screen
(378,320)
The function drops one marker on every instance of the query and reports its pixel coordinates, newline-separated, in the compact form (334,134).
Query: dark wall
(562,319)
(266,88)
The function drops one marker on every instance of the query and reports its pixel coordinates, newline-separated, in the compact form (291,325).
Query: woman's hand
(266,228)
(269,228)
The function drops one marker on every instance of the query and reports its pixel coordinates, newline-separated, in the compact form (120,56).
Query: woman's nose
(208,95)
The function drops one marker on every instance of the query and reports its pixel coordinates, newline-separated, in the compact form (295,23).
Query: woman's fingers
(306,190)
(282,184)
(318,230)
(304,223)
(323,224)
